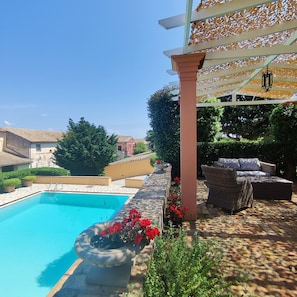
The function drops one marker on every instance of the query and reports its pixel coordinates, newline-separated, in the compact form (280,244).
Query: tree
(150,139)
(140,148)
(164,117)
(246,121)
(208,121)
(283,122)
(85,149)
(163,113)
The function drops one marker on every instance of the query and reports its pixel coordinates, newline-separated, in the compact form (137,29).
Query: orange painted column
(187,66)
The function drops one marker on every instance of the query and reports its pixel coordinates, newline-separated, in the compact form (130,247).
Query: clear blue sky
(97,59)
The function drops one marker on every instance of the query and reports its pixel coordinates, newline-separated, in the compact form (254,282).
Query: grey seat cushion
(251,173)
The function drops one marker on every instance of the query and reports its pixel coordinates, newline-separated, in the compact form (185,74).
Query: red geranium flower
(176,179)
(132,230)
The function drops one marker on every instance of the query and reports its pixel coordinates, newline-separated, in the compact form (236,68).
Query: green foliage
(140,148)
(208,121)
(85,149)
(29,178)
(50,171)
(283,122)
(208,152)
(153,159)
(246,121)
(16,174)
(45,171)
(30,173)
(163,113)
(179,269)
(164,117)
(150,139)
(16,182)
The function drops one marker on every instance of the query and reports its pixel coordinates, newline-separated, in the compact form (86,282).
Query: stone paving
(259,244)
(117,187)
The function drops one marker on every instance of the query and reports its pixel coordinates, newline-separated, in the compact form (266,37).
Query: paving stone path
(259,244)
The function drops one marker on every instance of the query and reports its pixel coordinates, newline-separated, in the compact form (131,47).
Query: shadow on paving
(258,243)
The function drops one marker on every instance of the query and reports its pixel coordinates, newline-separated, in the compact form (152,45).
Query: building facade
(25,148)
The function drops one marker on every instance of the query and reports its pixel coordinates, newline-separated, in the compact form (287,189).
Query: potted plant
(10,184)
(28,180)
(110,248)
(160,164)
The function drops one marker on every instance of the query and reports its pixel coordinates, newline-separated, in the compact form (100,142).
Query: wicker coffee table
(271,188)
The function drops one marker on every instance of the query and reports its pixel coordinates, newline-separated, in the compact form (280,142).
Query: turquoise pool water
(37,237)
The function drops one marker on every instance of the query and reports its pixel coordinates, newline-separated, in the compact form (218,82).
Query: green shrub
(12,182)
(17,174)
(153,159)
(29,178)
(183,270)
(208,152)
(49,171)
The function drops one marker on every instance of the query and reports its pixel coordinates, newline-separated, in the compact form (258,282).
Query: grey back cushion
(249,164)
(230,163)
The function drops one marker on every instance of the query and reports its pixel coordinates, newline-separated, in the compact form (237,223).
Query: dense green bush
(29,178)
(49,171)
(18,173)
(12,182)
(183,270)
(208,152)
(21,174)
(283,121)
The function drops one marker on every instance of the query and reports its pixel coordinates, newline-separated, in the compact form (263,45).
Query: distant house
(25,148)
(126,145)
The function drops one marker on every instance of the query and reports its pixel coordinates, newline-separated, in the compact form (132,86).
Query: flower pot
(27,183)
(110,267)
(161,166)
(9,189)
(28,180)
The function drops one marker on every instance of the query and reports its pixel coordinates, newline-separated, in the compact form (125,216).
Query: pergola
(228,44)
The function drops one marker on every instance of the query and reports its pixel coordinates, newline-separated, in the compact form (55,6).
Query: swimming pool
(37,237)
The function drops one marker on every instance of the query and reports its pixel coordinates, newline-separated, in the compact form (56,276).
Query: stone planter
(9,189)
(27,183)
(110,267)
(161,166)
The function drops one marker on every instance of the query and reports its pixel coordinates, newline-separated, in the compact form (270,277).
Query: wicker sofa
(226,190)
(247,166)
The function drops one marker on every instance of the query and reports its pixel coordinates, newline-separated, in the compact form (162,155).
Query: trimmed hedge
(49,171)
(208,152)
(20,174)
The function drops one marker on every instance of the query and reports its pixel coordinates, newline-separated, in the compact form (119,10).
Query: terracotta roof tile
(34,136)
(7,159)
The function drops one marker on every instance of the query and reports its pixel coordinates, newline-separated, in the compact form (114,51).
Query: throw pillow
(230,163)
(249,164)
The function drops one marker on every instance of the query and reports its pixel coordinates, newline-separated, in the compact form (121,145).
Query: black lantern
(267,80)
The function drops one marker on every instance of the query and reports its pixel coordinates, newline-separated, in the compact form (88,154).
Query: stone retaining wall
(150,200)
